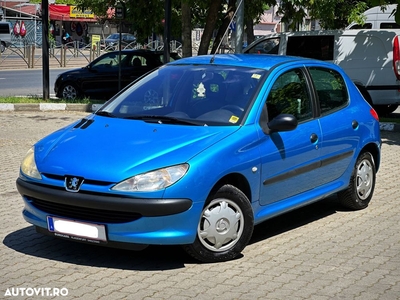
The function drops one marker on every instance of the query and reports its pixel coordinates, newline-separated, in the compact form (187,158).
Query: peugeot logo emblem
(73,183)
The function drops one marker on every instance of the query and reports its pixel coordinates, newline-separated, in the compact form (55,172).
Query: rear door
(338,125)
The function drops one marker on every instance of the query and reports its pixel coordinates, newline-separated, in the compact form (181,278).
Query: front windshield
(198,95)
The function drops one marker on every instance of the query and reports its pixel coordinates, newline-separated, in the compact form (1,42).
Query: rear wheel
(384,110)
(69,92)
(362,183)
(2,47)
(225,226)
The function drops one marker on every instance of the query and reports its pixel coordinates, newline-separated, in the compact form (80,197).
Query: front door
(290,160)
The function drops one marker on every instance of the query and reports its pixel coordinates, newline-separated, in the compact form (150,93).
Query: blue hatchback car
(201,150)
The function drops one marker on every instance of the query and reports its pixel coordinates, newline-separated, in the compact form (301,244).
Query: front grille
(84,214)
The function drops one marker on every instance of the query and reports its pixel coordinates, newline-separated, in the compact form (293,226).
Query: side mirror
(282,122)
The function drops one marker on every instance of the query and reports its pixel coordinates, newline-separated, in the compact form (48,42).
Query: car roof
(263,61)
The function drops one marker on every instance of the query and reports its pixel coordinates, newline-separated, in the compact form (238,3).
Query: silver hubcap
(364,179)
(221,225)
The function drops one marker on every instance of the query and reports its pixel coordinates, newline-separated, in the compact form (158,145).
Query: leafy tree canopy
(333,14)
(146,17)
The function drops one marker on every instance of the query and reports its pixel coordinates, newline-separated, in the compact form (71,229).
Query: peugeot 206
(200,151)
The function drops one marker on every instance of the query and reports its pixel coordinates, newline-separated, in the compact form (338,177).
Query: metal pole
(167,30)
(119,55)
(45,49)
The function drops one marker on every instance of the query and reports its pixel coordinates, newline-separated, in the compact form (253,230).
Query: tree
(225,23)
(209,27)
(146,16)
(332,14)
(186,29)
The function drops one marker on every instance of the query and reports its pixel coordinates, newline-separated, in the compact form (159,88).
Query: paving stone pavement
(317,252)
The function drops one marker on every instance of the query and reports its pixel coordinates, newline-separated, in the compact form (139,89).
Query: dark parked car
(201,150)
(112,41)
(99,79)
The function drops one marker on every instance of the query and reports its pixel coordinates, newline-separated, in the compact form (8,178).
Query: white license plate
(86,232)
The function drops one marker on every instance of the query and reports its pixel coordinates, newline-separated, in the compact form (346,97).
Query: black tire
(2,47)
(384,110)
(381,110)
(225,227)
(69,91)
(362,183)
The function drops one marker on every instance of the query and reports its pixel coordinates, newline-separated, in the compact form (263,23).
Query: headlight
(154,180)
(28,165)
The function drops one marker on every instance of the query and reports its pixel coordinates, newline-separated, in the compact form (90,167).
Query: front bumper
(127,220)
(143,207)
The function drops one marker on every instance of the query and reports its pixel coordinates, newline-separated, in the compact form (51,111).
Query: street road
(319,252)
(27,82)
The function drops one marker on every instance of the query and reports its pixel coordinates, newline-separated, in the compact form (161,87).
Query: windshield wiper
(105,114)
(163,120)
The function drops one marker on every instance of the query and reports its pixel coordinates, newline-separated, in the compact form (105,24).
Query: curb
(384,126)
(49,107)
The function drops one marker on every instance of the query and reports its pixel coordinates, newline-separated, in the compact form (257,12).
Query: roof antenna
(226,31)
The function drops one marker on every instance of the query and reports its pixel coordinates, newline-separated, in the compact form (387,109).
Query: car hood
(109,149)
(73,72)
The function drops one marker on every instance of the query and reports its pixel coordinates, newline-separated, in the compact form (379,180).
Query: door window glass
(289,95)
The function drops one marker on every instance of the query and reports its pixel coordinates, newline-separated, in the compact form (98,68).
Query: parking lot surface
(318,252)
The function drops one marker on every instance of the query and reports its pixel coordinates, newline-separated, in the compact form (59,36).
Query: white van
(5,35)
(370,57)
(375,18)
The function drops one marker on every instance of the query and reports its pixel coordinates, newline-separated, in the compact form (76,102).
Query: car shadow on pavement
(296,218)
(390,138)
(29,242)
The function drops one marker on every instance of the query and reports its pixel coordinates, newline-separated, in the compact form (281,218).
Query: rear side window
(318,47)
(331,89)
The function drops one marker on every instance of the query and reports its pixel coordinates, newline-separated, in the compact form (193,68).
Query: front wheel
(362,183)
(69,92)
(225,226)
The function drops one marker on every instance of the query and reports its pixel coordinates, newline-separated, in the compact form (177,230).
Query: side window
(318,47)
(109,61)
(4,28)
(389,26)
(268,46)
(289,95)
(331,89)
(138,61)
(365,26)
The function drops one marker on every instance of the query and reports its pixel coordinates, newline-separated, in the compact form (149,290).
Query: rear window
(318,47)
